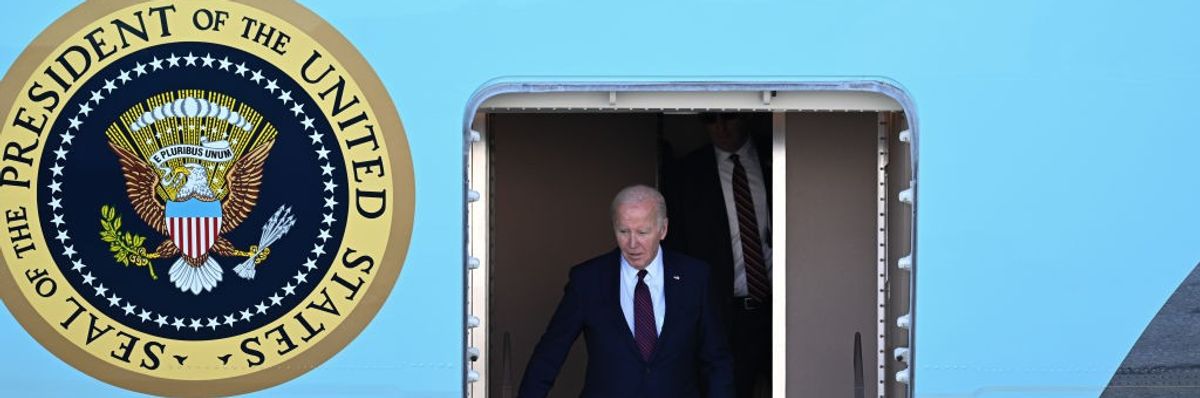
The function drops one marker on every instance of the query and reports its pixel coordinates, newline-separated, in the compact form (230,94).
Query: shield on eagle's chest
(194,225)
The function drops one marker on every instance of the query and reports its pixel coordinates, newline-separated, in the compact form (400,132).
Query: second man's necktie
(757,281)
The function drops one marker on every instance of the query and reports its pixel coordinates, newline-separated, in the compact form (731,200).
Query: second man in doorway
(721,213)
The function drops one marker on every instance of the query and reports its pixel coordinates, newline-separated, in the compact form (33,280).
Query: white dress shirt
(654,281)
(748,157)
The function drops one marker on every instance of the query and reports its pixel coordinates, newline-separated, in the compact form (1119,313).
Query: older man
(648,317)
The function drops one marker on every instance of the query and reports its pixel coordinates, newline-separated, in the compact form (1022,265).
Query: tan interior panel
(831,256)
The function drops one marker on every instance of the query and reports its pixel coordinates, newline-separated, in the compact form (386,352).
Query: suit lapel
(672,296)
(717,222)
(711,177)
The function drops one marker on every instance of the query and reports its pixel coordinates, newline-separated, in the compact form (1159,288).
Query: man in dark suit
(720,213)
(651,325)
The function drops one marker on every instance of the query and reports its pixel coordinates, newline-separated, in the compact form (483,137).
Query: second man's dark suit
(700,227)
(698,219)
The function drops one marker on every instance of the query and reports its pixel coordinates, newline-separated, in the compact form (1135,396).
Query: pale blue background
(1058,140)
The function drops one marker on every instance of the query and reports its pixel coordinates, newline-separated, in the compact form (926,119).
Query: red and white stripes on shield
(194,235)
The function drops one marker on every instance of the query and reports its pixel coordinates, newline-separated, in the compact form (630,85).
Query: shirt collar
(652,270)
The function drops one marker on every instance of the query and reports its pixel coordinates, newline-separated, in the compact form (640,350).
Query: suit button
(647,371)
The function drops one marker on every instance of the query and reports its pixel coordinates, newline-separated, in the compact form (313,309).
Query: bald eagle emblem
(193,168)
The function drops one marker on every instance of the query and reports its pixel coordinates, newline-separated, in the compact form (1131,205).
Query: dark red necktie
(644,329)
(757,281)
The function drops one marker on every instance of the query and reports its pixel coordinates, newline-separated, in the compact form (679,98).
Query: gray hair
(641,193)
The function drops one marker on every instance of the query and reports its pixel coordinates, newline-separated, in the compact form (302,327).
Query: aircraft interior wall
(552,176)
(831,250)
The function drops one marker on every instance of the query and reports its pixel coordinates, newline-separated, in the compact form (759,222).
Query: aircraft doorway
(545,171)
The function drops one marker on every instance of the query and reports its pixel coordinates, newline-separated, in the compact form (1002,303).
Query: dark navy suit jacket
(691,357)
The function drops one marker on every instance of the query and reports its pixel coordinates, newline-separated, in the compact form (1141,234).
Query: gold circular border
(392,260)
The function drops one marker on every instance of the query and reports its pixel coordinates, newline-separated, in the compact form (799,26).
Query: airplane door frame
(778,98)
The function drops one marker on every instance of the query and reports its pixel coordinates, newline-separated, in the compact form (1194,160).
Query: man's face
(638,232)
(727,133)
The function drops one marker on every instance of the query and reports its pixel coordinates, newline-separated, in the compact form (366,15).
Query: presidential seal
(199,198)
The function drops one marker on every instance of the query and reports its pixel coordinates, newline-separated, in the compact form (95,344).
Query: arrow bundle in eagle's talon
(279,224)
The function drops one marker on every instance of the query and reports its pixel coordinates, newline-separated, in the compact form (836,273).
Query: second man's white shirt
(748,157)
(654,281)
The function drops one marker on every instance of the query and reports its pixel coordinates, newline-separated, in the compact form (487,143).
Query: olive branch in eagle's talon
(127,248)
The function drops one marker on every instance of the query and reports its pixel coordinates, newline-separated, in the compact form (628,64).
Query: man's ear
(664,229)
